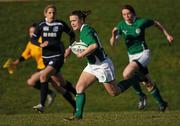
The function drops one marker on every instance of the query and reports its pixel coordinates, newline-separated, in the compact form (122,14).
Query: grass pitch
(17,99)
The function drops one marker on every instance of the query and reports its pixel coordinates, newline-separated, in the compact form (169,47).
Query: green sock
(80,101)
(137,88)
(156,94)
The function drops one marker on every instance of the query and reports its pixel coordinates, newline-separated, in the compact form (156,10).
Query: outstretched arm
(24,56)
(114,37)
(72,36)
(168,36)
(71,40)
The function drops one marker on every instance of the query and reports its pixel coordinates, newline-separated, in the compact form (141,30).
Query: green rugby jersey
(89,36)
(134,34)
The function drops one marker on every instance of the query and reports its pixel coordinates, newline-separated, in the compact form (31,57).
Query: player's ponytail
(81,14)
(86,13)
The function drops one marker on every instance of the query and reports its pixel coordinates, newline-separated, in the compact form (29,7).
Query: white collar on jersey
(134,18)
(82,27)
(53,23)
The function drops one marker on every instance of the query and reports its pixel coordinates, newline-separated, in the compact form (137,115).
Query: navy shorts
(55,62)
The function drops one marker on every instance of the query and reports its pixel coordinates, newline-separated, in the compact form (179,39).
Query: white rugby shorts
(103,71)
(143,57)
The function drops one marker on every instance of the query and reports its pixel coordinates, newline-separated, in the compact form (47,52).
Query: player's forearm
(21,59)
(113,41)
(114,36)
(159,26)
(89,50)
(16,62)
(72,37)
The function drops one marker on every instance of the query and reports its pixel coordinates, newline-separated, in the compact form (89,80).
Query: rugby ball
(78,47)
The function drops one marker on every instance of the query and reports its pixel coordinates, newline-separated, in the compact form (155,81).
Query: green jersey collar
(134,18)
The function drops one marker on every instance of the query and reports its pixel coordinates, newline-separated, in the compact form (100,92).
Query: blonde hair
(50,6)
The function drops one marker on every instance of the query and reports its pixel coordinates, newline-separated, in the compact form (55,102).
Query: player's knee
(113,94)
(30,83)
(125,75)
(43,78)
(149,86)
(80,88)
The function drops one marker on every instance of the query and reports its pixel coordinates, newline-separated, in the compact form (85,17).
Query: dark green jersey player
(89,36)
(134,34)
(99,66)
(133,31)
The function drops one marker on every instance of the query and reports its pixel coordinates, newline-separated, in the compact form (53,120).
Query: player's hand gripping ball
(78,47)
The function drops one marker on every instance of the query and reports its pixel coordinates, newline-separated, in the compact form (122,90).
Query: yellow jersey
(34,52)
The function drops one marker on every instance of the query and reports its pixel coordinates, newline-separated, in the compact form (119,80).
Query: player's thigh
(130,69)
(46,73)
(85,80)
(112,88)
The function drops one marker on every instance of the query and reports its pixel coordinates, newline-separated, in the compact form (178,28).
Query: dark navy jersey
(52,33)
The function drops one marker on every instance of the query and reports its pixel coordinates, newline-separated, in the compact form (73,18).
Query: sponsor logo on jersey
(124,31)
(138,30)
(50,34)
(45,28)
(55,29)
